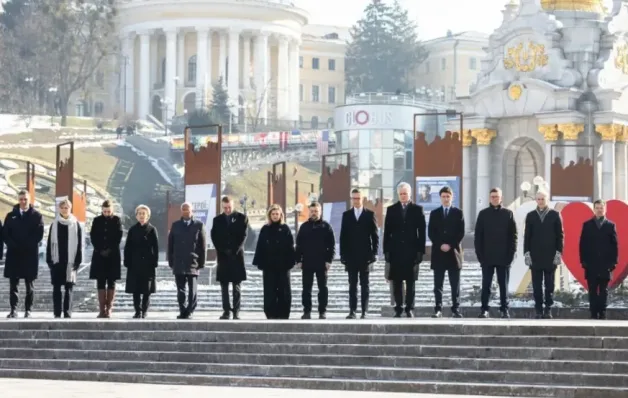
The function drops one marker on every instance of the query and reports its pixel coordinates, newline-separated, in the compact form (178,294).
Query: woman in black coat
(64,254)
(141,256)
(275,256)
(106,234)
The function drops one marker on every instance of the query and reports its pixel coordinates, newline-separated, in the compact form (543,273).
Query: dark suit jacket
(359,240)
(446,230)
(228,239)
(404,240)
(599,251)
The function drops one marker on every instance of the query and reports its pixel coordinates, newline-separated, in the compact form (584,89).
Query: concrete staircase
(562,359)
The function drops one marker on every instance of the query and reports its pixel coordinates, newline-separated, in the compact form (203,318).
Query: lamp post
(298,208)
(538,183)
(165,104)
(52,91)
(176,88)
(243,202)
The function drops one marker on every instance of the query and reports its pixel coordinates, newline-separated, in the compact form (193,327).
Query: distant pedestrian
(64,254)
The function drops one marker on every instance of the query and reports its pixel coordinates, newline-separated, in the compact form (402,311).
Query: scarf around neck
(72,223)
(542,213)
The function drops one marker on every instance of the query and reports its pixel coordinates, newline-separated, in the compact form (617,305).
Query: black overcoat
(106,234)
(22,235)
(228,235)
(275,248)
(359,240)
(599,250)
(446,230)
(141,257)
(187,247)
(404,240)
(316,245)
(495,237)
(542,239)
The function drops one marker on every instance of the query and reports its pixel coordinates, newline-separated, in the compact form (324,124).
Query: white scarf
(72,224)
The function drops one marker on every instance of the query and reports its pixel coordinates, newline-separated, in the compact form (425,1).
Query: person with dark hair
(106,235)
(543,242)
(274,256)
(359,242)
(22,232)
(187,250)
(446,231)
(599,255)
(495,244)
(425,194)
(228,234)
(315,251)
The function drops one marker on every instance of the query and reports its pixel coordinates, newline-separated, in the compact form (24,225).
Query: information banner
(332,213)
(203,200)
(427,194)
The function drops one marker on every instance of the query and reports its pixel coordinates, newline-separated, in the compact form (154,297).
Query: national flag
(283,140)
(261,138)
(323,143)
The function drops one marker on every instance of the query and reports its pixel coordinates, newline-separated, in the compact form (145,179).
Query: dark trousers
(57,304)
(365,290)
(277,294)
(141,302)
(102,284)
(187,284)
(454,283)
(323,292)
(398,293)
(13,293)
(237,290)
(538,275)
(598,294)
(503,275)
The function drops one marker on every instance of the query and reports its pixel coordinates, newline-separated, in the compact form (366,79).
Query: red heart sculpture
(574,215)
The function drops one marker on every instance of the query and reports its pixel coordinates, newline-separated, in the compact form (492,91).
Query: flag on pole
(283,140)
(323,143)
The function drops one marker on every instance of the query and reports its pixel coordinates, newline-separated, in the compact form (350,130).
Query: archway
(189,102)
(156,107)
(523,160)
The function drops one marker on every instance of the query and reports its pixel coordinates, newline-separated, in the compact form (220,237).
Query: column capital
(483,137)
(570,131)
(261,33)
(467,139)
(622,133)
(145,32)
(606,131)
(170,31)
(202,30)
(234,31)
(296,41)
(549,132)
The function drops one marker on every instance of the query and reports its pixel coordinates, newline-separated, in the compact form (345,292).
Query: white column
(222,57)
(233,84)
(246,62)
(154,61)
(608,169)
(171,73)
(484,177)
(181,59)
(466,183)
(201,63)
(295,80)
(282,79)
(128,90)
(114,85)
(621,165)
(144,93)
(262,83)
(548,165)
(208,71)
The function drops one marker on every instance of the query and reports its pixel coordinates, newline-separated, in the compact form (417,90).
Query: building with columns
(552,84)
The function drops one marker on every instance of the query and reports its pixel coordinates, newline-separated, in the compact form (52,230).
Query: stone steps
(564,359)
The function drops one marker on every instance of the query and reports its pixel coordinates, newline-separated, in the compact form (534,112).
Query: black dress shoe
(539,315)
(67,315)
(225,315)
(27,314)
(351,315)
(437,314)
(456,314)
(322,315)
(602,315)
(306,315)
(409,314)
(397,315)
(505,314)
(138,315)
(12,314)
(547,314)
(236,315)
(484,315)
(364,315)
(143,314)
(595,315)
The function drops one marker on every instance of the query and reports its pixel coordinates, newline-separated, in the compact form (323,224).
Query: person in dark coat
(187,250)
(543,241)
(64,254)
(315,250)
(446,232)
(404,247)
(359,242)
(141,256)
(599,255)
(274,256)
(228,234)
(495,244)
(106,235)
(22,233)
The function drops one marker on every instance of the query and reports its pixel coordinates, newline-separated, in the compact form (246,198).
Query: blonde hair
(273,208)
(65,202)
(145,208)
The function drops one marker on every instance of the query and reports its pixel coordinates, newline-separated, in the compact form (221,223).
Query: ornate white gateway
(551,86)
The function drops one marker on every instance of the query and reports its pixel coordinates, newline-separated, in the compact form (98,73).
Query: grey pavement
(25,388)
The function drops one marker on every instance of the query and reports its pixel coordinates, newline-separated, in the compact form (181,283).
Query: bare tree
(254,112)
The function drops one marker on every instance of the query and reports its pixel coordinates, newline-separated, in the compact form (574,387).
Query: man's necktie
(446,211)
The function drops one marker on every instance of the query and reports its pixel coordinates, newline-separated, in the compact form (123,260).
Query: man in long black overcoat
(228,235)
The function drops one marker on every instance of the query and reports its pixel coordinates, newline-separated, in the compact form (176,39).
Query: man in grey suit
(187,248)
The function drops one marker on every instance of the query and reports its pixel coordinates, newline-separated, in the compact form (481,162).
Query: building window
(192,69)
(330,123)
(443,64)
(314,122)
(98,108)
(427,66)
(473,63)
(316,94)
(331,95)
(301,92)
(301,62)
(163,70)
(316,63)
(331,64)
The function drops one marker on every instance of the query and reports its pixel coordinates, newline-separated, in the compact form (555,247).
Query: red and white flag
(283,140)
(323,143)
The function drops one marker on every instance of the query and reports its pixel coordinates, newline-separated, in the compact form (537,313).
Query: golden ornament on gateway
(596,6)
(526,58)
(621,58)
(515,91)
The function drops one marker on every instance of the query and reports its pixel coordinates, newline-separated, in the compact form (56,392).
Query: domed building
(550,101)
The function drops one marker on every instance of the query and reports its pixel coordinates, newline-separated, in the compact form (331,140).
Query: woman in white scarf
(64,254)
